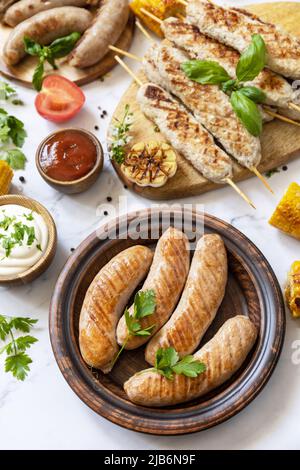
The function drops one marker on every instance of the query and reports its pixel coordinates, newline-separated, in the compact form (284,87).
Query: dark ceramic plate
(252,290)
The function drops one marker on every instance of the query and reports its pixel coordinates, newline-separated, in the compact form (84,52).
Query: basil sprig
(57,49)
(243,98)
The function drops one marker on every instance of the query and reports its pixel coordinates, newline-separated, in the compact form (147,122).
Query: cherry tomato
(59,99)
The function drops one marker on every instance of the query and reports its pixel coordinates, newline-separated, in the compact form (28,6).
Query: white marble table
(55,418)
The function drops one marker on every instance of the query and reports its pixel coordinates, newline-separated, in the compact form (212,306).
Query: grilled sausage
(25,9)
(166,277)
(104,303)
(106,29)
(4,5)
(44,28)
(223,355)
(184,133)
(199,303)
(209,105)
(235,27)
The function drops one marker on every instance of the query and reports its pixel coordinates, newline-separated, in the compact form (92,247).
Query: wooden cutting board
(24,70)
(280,141)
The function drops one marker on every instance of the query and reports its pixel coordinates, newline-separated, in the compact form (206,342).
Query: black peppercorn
(109,199)
(22,179)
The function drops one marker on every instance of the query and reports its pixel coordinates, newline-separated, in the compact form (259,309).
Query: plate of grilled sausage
(171,330)
(100,23)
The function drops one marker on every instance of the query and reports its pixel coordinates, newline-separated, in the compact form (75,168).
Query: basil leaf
(63,46)
(247,112)
(253,59)
(229,86)
(37,79)
(32,47)
(253,93)
(206,72)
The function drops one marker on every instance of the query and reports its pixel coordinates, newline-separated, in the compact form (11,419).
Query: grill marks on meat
(188,37)
(210,106)
(223,355)
(235,28)
(184,133)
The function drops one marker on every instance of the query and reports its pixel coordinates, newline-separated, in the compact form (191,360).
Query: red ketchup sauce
(68,155)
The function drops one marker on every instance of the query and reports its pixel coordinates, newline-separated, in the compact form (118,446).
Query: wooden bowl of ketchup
(70,160)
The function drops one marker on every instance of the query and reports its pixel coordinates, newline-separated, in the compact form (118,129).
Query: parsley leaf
(18,365)
(14,157)
(167,363)
(144,306)
(16,362)
(6,91)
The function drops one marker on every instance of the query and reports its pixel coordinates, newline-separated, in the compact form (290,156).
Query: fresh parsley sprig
(56,50)
(120,138)
(243,98)
(17,361)
(12,132)
(144,306)
(8,93)
(167,363)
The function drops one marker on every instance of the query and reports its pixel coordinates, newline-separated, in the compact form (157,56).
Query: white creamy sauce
(23,239)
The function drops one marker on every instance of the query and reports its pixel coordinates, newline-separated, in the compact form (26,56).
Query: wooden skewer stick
(240,192)
(227,180)
(128,70)
(282,118)
(183,2)
(144,31)
(127,54)
(262,179)
(294,106)
(153,17)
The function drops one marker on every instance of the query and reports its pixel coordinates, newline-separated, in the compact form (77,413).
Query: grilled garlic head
(150,163)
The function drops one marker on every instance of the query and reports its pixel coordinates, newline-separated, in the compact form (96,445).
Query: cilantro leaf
(15,158)
(18,365)
(167,363)
(17,132)
(6,90)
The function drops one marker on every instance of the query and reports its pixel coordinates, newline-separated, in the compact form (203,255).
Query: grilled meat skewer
(184,133)
(186,36)
(209,105)
(235,27)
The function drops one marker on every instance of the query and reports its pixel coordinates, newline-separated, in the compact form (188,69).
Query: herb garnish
(17,234)
(17,361)
(57,49)
(8,93)
(272,172)
(120,137)
(144,306)
(243,98)
(167,363)
(12,132)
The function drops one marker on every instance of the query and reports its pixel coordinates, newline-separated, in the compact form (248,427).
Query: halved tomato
(59,99)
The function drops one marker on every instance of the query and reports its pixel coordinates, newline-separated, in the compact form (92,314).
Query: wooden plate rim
(168,421)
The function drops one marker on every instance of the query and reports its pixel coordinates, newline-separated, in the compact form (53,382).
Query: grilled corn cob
(286,216)
(6,175)
(292,291)
(160,8)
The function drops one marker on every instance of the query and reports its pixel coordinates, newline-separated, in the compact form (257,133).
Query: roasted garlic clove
(150,163)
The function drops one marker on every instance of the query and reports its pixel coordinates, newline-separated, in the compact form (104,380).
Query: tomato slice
(59,99)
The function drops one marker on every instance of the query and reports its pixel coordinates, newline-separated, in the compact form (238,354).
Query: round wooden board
(24,70)
(280,141)
(252,290)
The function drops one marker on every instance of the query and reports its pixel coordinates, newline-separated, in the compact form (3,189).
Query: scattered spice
(109,199)
(105,213)
(284,168)
(125,186)
(72,249)
(96,128)
(22,179)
